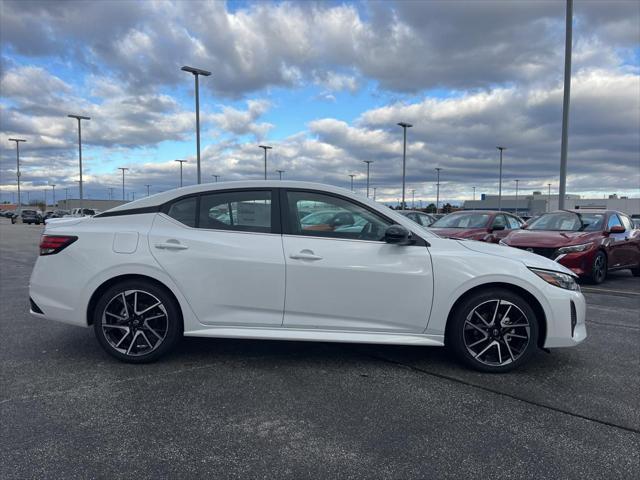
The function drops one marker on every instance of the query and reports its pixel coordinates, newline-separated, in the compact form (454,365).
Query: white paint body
(247,285)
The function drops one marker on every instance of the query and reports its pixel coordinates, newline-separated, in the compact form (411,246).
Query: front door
(222,250)
(341,275)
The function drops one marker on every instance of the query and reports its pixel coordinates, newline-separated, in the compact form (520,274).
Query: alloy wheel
(135,323)
(496,332)
(599,267)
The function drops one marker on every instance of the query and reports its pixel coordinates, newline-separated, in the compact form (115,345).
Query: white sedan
(234,260)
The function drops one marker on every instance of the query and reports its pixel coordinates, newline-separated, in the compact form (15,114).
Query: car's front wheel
(493,331)
(599,268)
(137,321)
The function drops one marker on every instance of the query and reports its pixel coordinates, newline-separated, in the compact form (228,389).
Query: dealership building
(538,202)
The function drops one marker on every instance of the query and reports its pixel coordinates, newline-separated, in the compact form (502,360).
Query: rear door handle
(305,255)
(170,246)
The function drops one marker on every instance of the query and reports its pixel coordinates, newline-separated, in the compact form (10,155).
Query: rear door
(346,277)
(617,243)
(224,251)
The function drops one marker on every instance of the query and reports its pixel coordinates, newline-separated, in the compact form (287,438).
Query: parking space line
(498,392)
(607,290)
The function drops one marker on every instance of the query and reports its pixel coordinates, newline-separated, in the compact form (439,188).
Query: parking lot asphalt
(268,409)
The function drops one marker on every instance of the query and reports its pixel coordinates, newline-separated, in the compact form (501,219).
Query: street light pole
(216,177)
(352,175)
(148,186)
(413,199)
(374,193)
(549,198)
(438,189)
(500,181)
(368,162)
(474,193)
(196,73)
(124,169)
(110,193)
(66,197)
(79,118)
(18,140)
(565,105)
(181,162)
(404,126)
(280,172)
(517,181)
(53,187)
(265,148)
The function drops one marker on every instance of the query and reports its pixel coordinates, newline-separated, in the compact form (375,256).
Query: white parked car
(234,260)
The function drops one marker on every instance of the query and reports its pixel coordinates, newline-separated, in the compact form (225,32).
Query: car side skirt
(315,335)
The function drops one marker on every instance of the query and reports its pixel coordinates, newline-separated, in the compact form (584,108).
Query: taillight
(52,244)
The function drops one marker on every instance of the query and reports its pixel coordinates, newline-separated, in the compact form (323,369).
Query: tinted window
(614,221)
(424,219)
(333,217)
(499,221)
(184,211)
(242,211)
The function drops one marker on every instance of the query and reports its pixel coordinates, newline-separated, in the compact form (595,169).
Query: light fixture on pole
(18,140)
(404,126)
(148,186)
(79,118)
(216,177)
(124,169)
(196,73)
(53,187)
(517,181)
(352,175)
(565,105)
(500,181)
(181,162)
(438,189)
(368,162)
(265,148)
(280,172)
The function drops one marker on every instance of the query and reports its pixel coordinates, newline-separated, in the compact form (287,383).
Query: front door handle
(170,246)
(305,255)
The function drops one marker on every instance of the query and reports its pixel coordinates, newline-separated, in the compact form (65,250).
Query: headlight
(557,279)
(574,248)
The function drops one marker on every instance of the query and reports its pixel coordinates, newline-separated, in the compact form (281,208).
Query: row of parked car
(30,216)
(591,243)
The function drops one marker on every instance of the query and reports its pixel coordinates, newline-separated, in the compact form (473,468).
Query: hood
(459,232)
(528,258)
(548,239)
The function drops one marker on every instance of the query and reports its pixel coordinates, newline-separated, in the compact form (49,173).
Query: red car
(590,244)
(486,226)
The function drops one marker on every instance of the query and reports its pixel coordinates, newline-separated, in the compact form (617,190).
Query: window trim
(288,230)
(276,226)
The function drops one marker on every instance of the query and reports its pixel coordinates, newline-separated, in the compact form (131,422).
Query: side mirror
(497,227)
(617,229)
(398,235)
(524,226)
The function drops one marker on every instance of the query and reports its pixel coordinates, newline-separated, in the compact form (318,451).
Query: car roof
(167,196)
(413,211)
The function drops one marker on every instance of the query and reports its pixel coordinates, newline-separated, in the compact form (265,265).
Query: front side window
(614,221)
(626,221)
(248,211)
(334,217)
(513,223)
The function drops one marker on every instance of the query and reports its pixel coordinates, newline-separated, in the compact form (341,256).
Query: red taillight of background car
(52,244)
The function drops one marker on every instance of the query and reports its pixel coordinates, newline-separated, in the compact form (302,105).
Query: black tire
(636,272)
(170,328)
(599,268)
(460,335)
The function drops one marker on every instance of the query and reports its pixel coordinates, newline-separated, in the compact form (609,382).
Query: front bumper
(560,330)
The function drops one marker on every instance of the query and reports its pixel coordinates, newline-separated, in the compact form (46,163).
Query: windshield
(568,222)
(463,220)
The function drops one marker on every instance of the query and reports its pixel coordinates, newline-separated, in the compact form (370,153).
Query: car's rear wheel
(137,321)
(599,268)
(493,331)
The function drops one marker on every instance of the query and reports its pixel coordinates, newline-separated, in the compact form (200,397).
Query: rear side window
(184,211)
(626,221)
(248,211)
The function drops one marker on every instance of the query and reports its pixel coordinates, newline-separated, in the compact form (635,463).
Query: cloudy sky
(325,83)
